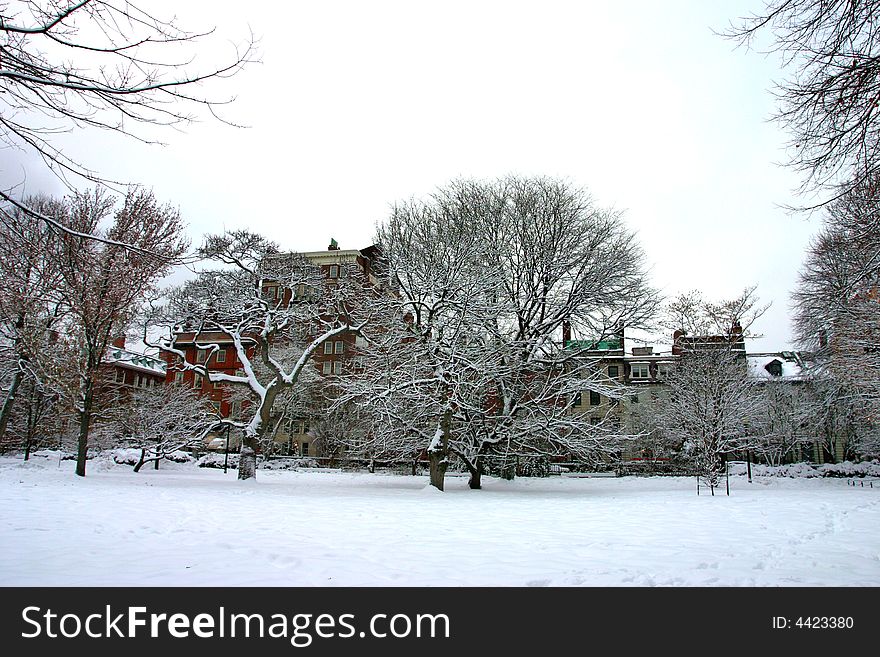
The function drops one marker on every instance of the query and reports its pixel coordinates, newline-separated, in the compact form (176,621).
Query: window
(305,449)
(326,367)
(595,399)
(299,427)
(339,347)
(337,367)
(221,356)
(613,371)
(639,371)
(774,367)
(328,347)
(178,377)
(577,399)
(634,399)
(663,370)
(200,355)
(595,420)
(334,271)
(120,376)
(197,381)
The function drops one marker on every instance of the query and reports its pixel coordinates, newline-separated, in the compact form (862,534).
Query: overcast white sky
(358,104)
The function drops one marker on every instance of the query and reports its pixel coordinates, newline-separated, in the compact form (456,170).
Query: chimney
(566,333)
(119,341)
(676,342)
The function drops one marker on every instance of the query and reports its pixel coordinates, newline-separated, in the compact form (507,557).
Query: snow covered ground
(188,526)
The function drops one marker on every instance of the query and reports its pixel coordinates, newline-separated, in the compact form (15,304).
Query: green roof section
(593,345)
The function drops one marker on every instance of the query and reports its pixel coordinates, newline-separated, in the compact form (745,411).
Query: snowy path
(197,527)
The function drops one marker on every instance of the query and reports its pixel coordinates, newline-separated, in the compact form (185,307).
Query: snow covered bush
(850,469)
(216,460)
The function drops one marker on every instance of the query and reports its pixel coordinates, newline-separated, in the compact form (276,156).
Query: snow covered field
(188,526)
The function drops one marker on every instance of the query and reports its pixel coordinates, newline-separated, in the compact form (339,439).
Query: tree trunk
(475,481)
(16,381)
(438,457)
(141,461)
(27,449)
(85,420)
(438,462)
(7,403)
(247,458)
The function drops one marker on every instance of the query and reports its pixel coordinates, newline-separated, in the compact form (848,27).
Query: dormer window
(640,371)
(774,367)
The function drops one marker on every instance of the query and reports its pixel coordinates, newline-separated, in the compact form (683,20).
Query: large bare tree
(470,360)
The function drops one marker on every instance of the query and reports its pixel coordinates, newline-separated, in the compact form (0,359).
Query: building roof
(791,365)
(133,360)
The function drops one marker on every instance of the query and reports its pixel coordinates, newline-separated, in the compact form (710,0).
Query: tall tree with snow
(236,296)
(103,283)
(837,303)
(712,400)
(30,307)
(487,274)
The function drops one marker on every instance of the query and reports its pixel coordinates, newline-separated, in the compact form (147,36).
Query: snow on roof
(791,366)
(126,358)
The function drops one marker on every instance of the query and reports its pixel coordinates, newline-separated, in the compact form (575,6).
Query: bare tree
(711,400)
(842,265)
(102,284)
(161,420)
(70,64)
(240,300)
(29,302)
(786,421)
(36,419)
(830,102)
(837,303)
(470,361)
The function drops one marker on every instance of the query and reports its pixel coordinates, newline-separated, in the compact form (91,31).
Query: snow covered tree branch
(275,310)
